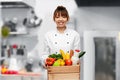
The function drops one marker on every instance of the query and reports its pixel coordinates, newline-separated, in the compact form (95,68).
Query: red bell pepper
(50,61)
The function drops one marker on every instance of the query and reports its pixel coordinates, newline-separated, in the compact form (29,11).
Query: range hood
(87,3)
(14,4)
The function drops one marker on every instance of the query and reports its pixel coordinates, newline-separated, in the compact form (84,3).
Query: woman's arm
(76,44)
(46,51)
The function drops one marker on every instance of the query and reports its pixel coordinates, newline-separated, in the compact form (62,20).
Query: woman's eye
(56,17)
(63,16)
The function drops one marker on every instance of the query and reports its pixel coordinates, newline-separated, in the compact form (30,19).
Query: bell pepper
(50,61)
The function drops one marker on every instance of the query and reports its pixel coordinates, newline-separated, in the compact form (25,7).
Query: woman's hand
(78,62)
(45,66)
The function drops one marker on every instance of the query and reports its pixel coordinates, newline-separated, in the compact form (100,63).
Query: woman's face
(61,21)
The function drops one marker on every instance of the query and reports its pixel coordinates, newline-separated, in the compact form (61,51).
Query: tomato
(10,72)
(50,61)
(13,72)
(68,62)
(6,72)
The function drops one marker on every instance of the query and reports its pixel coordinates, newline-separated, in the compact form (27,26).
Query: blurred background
(97,21)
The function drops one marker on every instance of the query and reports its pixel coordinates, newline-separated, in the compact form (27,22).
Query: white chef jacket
(54,41)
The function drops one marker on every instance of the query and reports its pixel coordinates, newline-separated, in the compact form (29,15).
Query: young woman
(61,38)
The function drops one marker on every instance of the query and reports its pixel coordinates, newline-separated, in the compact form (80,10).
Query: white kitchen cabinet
(31,78)
(38,78)
(26,78)
(14,77)
(11,78)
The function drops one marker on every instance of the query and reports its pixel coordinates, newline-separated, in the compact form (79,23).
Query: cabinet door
(37,78)
(10,78)
(27,78)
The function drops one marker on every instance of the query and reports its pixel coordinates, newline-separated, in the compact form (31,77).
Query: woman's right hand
(45,66)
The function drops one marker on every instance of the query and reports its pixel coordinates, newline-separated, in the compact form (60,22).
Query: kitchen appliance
(101,46)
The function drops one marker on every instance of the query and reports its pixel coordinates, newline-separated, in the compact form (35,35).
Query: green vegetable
(81,54)
(52,56)
(56,56)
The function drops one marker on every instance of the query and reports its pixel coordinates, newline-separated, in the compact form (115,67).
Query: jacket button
(55,34)
(67,34)
(67,42)
(55,42)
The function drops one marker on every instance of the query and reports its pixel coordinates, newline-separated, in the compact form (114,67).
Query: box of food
(64,72)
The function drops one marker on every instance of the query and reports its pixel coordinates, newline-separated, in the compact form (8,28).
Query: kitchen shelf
(14,4)
(2,58)
(13,33)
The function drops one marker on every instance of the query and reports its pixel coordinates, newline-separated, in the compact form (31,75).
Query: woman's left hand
(78,62)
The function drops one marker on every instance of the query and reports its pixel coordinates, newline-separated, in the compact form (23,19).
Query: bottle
(25,51)
(13,65)
(14,49)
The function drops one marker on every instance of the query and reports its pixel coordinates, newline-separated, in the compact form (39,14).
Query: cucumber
(81,54)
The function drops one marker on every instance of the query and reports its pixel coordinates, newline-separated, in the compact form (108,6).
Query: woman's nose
(60,18)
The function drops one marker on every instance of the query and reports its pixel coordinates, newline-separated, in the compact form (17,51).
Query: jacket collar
(64,31)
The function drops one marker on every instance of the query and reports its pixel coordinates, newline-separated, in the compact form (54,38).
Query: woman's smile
(61,21)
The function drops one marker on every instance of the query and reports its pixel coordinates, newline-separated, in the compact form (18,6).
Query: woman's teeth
(61,23)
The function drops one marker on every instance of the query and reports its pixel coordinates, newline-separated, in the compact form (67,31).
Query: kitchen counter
(22,76)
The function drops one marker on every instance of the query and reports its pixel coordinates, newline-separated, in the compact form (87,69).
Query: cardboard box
(63,72)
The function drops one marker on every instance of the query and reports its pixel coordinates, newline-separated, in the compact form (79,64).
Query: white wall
(98,18)
(44,7)
(30,2)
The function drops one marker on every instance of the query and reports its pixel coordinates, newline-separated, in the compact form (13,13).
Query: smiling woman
(62,37)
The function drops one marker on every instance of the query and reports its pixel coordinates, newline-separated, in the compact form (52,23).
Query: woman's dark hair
(60,10)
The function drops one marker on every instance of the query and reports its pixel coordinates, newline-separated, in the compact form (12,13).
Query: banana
(63,54)
(67,56)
